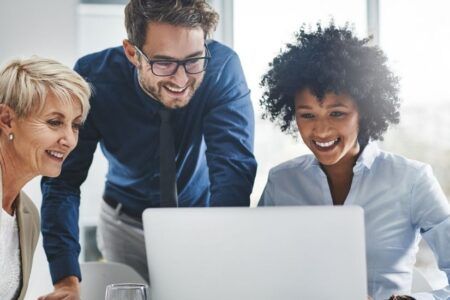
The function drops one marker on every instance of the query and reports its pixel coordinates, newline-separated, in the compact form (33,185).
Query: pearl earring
(11,136)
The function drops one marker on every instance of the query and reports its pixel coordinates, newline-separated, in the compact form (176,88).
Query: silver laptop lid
(265,253)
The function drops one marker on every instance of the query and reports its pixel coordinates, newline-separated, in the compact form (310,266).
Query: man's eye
(193,61)
(164,64)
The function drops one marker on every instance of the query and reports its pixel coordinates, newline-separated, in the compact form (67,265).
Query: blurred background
(413,33)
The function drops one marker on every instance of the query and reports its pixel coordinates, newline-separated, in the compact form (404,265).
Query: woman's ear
(7,115)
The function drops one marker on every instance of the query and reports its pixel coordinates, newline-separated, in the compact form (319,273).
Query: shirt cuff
(64,266)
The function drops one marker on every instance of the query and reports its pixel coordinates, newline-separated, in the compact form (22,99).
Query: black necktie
(167,168)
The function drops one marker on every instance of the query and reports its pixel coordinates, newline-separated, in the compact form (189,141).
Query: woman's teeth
(55,154)
(326,144)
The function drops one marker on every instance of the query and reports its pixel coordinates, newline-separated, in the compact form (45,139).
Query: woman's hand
(67,288)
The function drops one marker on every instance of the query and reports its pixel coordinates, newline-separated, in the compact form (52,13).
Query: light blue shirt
(402,202)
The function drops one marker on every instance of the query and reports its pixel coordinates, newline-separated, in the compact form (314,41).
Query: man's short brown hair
(186,13)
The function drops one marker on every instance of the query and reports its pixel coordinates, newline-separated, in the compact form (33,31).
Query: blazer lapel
(25,240)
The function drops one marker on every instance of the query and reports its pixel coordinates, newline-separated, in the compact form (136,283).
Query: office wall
(44,27)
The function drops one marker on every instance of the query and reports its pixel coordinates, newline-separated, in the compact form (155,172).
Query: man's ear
(130,52)
(7,115)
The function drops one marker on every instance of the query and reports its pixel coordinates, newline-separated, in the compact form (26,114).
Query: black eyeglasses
(168,67)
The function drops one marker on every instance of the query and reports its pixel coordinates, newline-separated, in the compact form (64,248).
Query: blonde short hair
(25,83)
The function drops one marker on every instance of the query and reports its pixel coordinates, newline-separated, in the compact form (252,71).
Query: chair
(97,275)
(419,282)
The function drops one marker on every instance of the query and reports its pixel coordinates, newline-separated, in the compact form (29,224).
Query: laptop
(264,253)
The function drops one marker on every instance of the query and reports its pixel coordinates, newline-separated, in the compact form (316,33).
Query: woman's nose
(70,138)
(321,128)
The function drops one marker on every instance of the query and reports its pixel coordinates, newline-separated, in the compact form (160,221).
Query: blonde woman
(42,106)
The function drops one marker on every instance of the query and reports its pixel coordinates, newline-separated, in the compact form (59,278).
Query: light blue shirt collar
(366,159)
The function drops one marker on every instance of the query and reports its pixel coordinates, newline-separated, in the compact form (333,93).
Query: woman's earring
(11,136)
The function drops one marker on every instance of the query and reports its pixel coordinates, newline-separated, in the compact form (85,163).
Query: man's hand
(67,288)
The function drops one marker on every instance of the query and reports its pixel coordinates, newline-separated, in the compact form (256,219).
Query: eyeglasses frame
(179,62)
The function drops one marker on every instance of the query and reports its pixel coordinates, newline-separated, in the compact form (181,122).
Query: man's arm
(229,135)
(60,204)
(60,214)
(59,211)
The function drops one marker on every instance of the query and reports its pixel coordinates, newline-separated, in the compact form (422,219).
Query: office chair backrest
(97,275)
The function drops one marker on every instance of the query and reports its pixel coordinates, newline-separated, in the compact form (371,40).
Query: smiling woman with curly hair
(333,60)
(342,96)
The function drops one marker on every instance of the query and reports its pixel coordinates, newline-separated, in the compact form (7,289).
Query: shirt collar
(366,159)
(313,162)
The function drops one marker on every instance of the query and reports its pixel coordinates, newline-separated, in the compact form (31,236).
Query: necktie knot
(164,113)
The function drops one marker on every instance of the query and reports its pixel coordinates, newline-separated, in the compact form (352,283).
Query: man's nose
(180,78)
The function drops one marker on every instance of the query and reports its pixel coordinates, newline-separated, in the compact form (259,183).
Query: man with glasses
(170,86)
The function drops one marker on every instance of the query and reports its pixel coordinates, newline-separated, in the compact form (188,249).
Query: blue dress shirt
(402,202)
(213,136)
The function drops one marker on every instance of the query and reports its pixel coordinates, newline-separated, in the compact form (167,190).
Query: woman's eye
(337,114)
(306,116)
(54,123)
(77,126)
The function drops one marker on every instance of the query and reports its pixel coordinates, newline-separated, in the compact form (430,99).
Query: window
(418,49)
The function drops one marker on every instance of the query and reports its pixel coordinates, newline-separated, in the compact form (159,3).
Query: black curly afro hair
(333,60)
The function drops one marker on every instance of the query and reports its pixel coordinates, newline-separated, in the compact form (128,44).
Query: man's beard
(156,92)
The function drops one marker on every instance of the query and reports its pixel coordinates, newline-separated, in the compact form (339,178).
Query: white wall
(44,27)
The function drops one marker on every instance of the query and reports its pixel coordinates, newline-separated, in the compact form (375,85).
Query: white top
(10,280)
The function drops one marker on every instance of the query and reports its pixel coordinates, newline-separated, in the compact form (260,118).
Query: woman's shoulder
(399,161)
(404,171)
(300,163)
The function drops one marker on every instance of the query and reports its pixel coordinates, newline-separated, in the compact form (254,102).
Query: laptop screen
(256,253)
